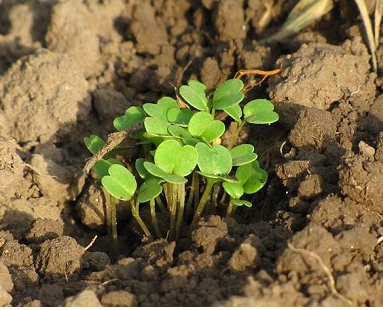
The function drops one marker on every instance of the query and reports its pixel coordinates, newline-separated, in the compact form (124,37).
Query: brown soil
(314,235)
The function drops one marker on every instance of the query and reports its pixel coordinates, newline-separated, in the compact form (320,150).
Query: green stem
(230,209)
(203,201)
(113,224)
(214,196)
(193,188)
(171,197)
(136,214)
(181,206)
(235,133)
(154,218)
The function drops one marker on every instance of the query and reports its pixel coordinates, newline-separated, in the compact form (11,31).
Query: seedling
(182,165)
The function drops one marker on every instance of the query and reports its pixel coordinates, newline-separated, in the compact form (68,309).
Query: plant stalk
(136,214)
(181,207)
(113,224)
(204,199)
(235,133)
(154,218)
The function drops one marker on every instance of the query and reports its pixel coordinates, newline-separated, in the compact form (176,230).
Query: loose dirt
(314,235)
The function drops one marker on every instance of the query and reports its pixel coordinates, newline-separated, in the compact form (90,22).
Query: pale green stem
(230,209)
(154,218)
(235,134)
(136,214)
(203,201)
(113,224)
(171,197)
(181,206)
(193,188)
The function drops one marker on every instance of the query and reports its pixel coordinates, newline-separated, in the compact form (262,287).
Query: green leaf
(228,94)
(194,94)
(160,109)
(167,177)
(156,127)
(132,116)
(179,116)
(240,202)
(214,160)
(102,166)
(120,183)
(94,143)
(183,134)
(260,111)
(243,154)
(203,125)
(235,112)
(235,190)
(174,158)
(141,170)
(251,177)
(149,190)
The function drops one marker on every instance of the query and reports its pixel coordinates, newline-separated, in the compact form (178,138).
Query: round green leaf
(183,134)
(156,127)
(194,94)
(132,116)
(120,183)
(149,190)
(102,166)
(260,111)
(174,158)
(214,160)
(228,94)
(94,143)
(160,109)
(203,125)
(235,190)
(179,116)
(167,177)
(251,177)
(243,154)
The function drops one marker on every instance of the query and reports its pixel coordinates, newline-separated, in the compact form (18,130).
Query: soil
(314,235)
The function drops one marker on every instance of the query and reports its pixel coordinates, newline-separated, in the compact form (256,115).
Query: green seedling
(182,166)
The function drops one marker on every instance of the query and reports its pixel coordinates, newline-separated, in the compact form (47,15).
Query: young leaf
(214,160)
(167,177)
(194,94)
(120,183)
(251,177)
(179,116)
(160,109)
(132,116)
(235,112)
(243,154)
(183,134)
(235,190)
(174,158)
(149,190)
(228,94)
(241,202)
(102,166)
(94,143)
(260,111)
(203,125)
(156,127)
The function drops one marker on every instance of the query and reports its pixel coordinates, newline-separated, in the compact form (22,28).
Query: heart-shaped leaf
(241,202)
(156,127)
(214,160)
(251,177)
(260,111)
(160,109)
(235,190)
(194,94)
(167,177)
(132,116)
(120,183)
(94,143)
(243,154)
(174,158)
(228,94)
(179,116)
(102,166)
(149,190)
(203,125)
